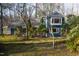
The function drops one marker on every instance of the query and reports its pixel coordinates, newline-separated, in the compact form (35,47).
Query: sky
(67,8)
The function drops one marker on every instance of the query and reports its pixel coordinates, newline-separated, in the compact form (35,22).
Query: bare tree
(25,11)
(1,18)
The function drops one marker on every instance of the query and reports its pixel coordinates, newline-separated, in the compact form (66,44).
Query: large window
(56,20)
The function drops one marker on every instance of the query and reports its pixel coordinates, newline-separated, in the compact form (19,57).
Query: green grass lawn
(15,39)
(47,52)
(34,46)
(5,38)
(44,49)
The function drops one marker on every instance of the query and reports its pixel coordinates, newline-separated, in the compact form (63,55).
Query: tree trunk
(1,19)
(27,32)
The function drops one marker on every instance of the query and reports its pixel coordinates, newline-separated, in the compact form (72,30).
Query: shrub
(8,38)
(72,38)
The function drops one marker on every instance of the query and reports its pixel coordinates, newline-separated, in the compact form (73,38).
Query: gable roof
(53,14)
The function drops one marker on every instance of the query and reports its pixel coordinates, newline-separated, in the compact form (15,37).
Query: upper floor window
(56,21)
